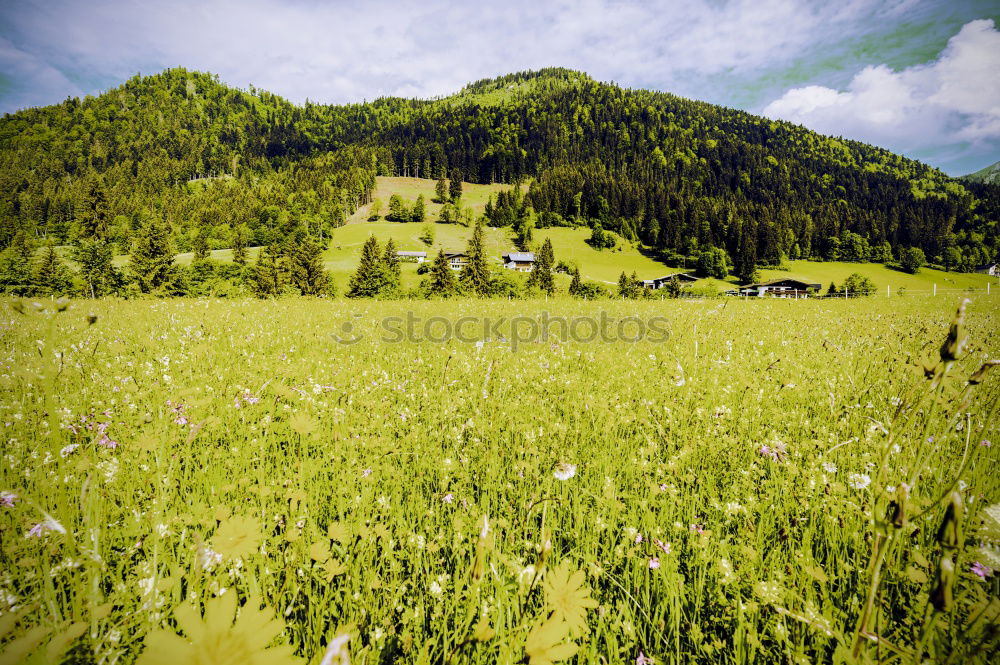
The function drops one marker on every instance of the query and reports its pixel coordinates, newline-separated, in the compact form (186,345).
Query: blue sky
(914,76)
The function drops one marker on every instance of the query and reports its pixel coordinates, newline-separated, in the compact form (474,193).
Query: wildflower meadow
(271,482)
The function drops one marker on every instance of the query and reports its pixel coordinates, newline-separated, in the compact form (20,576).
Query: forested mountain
(990,175)
(181,149)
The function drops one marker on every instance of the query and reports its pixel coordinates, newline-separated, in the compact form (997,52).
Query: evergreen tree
(475,275)
(270,273)
(392,267)
(574,284)
(51,277)
(745,265)
(441,280)
(241,238)
(15,265)
(455,186)
(96,268)
(525,234)
(200,245)
(306,268)
(92,210)
(375,211)
(370,278)
(624,287)
(441,191)
(152,257)
(427,236)
(541,274)
(419,212)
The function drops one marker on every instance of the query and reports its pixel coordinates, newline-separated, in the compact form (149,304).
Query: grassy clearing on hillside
(473,196)
(715,496)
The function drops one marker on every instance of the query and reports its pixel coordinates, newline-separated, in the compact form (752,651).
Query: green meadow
(688,481)
(343,252)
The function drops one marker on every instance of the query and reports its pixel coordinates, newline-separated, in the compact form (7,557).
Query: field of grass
(702,482)
(923,282)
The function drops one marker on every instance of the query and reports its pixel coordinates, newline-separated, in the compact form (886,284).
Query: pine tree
(96,268)
(624,288)
(201,251)
(392,267)
(152,257)
(270,273)
(442,280)
(51,277)
(92,210)
(441,191)
(476,274)
(241,238)
(455,186)
(745,264)
(574,284)
(15,265)
(541,275)
(370,278)
(419,210)
(306,267)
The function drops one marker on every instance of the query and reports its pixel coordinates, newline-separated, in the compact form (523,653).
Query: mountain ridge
(671,173)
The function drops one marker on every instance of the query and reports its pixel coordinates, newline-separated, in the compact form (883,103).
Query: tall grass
(777,482)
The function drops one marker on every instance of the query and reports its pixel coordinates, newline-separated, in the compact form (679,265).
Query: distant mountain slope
(674,174)
(989,175)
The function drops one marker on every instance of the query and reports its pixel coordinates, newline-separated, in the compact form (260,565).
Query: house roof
(520,257)
(987,265)
(454,255)
(784,280)
(411,253)
(681,276)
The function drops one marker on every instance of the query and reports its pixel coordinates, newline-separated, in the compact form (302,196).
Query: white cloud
(340,51)
(927,107)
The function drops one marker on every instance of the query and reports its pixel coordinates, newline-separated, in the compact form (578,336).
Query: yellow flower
(543,644)
(319,551)
(237,537)
(332,568)
(568,598)
(216,639)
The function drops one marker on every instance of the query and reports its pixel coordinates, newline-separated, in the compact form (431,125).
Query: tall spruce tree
(574,284)
(475,276)
(51,276)
(200,245)
(306,268)
(541,275)
(392,267)
(370,278)
(441,191)
(152,257)
(455,186)
(442,280)
(15,265)
(96,268)
(270,273)
(241,238)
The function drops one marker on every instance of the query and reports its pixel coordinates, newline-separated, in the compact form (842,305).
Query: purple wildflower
(448,498)
(366,473)
(7,498)
(643,659)
(982,570)
(654,563)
